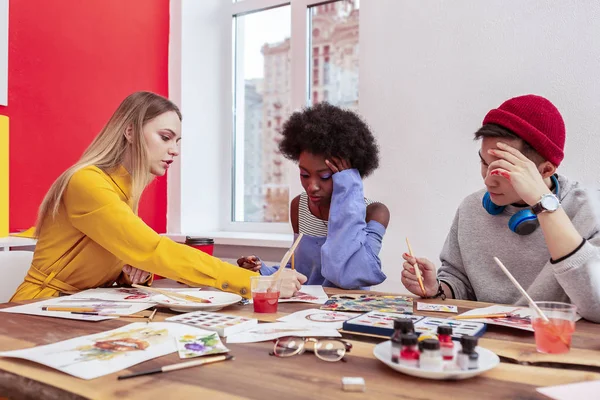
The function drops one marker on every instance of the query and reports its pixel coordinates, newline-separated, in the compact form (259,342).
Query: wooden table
(256,375)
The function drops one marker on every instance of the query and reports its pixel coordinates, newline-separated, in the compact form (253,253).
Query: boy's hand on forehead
(520,171)
(337,164)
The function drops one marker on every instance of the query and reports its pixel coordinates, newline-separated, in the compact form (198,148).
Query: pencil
(174,367)
(70,309)
(417,270)
(293,259)
(501,315)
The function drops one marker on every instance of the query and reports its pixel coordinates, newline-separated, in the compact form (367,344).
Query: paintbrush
(173,295)
(523,292)
(500,315)
(417,270)
(286,257)
(174,367)
(101,314)
(70,309)
(530,300)
(152,316)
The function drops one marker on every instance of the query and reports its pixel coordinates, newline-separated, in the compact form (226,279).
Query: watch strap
(537,208)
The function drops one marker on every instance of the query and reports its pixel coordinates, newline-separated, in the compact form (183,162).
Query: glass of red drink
(554,336)
(265,293)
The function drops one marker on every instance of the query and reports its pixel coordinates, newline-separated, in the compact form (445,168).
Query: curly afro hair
(333,132)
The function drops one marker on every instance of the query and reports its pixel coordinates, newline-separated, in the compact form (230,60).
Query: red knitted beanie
(535,120)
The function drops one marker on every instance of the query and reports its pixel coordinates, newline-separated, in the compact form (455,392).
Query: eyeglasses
(326,349)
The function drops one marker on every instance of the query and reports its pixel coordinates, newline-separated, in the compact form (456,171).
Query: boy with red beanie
(539,223)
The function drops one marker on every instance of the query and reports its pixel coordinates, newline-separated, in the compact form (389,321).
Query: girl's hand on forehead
(337,164)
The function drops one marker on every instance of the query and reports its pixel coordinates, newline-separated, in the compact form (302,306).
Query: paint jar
(467,358)
(553,336)
(265,293)
(446,343)
(431,356)
(409,355)
(401,326)
(205,245)
(404,325)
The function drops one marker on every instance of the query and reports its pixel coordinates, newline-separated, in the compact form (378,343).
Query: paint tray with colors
(382,324)
(223,324)
(366,303)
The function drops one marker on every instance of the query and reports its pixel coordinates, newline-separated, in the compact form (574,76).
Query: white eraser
(353,384)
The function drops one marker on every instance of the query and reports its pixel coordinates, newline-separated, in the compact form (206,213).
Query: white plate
(487,361)
(218,300)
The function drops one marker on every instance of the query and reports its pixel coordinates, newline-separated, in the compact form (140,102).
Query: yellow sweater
(96,233)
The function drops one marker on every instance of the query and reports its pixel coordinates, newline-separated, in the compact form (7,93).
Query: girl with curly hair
(343,230)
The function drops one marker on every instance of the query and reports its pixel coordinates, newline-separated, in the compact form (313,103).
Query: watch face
(550,202)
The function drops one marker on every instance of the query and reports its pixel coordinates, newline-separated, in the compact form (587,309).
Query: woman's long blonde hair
(109,148)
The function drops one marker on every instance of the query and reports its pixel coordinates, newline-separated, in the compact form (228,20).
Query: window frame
(300,96)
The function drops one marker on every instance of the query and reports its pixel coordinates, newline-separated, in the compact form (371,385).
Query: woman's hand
(337,164)
(252,263)
(291,282)
(136,276)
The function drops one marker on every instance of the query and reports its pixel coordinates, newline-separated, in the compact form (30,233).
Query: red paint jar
(206,245)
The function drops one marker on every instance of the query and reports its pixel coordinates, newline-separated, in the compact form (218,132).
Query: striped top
(310,225)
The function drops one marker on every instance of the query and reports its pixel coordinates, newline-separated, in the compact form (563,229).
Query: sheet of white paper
(307,294)
(129,295)
(319,318)
(270,331)
(437,307)
(107,307)
(521,317)
(89,357)
(589,390)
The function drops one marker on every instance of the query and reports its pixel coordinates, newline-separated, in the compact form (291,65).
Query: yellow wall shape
(3,176)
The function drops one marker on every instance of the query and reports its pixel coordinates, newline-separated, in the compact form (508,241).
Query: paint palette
(217,300)
(223,324)
(366,303)
(487,361)
(382,324)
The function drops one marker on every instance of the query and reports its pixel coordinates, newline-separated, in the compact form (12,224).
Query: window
(337,24)
(326,71)
(261,94)
(273,75)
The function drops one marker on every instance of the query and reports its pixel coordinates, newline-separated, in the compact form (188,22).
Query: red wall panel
(71,62)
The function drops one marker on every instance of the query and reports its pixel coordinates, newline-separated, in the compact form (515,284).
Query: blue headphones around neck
(523,222)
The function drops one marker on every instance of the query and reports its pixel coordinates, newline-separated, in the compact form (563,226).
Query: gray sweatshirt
(476,237)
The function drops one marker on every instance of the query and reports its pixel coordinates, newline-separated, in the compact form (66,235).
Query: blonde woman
(89,234)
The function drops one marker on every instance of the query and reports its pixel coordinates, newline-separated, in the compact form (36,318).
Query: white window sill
(253,239)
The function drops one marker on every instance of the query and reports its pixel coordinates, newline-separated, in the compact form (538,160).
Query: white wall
(197,44)
(429,72)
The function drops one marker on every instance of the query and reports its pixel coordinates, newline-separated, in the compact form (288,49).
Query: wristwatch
(549,203)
